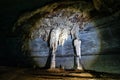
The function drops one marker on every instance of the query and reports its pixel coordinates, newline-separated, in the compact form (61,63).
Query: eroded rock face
(69,20)
(57,29)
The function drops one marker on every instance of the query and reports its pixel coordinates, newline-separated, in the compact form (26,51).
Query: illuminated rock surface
(100,35)
(56,31)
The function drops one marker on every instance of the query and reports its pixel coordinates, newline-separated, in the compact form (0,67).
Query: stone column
(53,61)
(77,45)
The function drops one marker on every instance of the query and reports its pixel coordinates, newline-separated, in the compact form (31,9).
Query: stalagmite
(77,45)
(53,25)
(63,36)
(54,36)
(55,29)
(59,34)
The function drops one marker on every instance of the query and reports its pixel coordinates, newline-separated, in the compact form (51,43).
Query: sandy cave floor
(13,73)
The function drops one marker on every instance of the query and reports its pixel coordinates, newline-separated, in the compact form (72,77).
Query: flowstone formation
(55,29)
(56,25)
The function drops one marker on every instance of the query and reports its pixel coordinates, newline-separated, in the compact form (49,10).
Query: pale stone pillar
(77,45)
(53,61)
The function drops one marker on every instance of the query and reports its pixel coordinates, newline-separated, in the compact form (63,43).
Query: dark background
(9,13)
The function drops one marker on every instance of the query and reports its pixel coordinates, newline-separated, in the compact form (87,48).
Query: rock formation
(58,24)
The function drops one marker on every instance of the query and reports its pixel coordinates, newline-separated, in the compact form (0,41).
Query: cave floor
(13,73)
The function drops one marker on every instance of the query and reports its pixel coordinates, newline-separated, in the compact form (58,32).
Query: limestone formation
(77,45)
(54,27)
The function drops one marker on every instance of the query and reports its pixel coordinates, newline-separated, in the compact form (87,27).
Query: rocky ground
(12,73)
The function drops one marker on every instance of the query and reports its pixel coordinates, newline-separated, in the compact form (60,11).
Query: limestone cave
(50,39)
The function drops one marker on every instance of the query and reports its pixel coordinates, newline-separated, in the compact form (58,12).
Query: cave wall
(100,48)
(106,61)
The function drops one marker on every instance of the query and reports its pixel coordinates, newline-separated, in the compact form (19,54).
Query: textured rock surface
(104,31)
(56,74)
(94,35)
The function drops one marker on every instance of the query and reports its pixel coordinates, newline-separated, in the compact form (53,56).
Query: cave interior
(31,30)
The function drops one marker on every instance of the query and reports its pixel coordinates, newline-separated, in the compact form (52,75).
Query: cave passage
(58,32)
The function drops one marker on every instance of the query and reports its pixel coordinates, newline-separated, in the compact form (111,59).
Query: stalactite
(54,28)
(63,36)
(75,31)
(54,37)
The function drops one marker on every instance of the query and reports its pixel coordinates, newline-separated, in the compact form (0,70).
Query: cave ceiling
(12,9)
(65,15)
